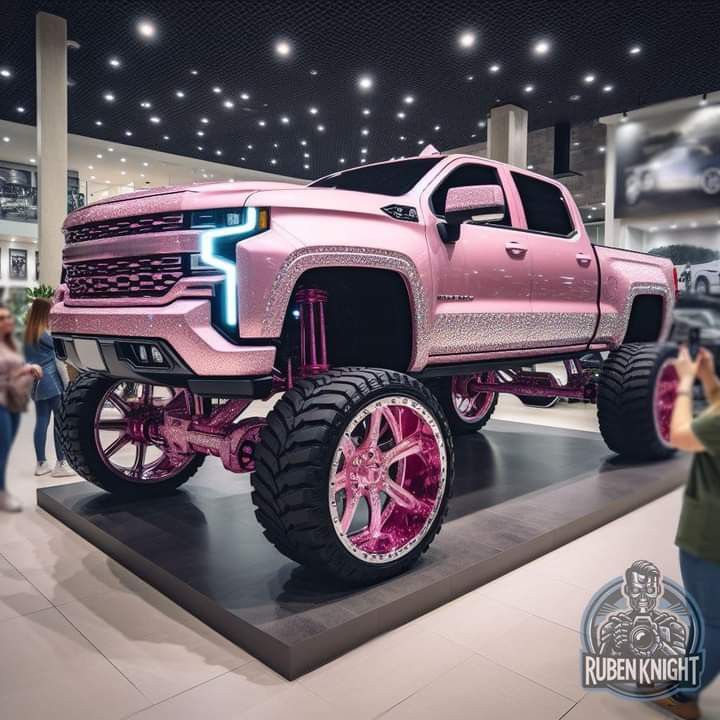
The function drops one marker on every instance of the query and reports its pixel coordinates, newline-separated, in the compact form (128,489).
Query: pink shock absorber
(313,349)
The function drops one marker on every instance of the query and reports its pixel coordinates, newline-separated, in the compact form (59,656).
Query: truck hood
(202,196)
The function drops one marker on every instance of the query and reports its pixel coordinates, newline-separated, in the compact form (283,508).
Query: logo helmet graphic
(642,636)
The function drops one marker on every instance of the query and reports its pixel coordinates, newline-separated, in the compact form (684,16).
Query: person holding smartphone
(698,535)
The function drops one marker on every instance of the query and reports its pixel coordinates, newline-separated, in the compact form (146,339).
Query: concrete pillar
(614,235)
(507,135)
(52,160)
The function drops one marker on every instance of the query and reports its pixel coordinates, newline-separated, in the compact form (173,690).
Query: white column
(507,135)
(614,235)
(52,161)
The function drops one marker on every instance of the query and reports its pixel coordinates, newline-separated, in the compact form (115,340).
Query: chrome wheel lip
(656,400)
(333,488)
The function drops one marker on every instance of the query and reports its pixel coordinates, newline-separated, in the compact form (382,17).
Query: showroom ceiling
(305,88)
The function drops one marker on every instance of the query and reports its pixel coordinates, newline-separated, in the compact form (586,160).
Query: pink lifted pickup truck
(387,306)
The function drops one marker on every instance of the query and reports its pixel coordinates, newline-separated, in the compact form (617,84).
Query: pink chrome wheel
(126,437)
(387,479)
(470,405)
(664,396)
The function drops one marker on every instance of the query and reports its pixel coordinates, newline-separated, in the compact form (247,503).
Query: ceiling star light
(217,89)
(364,131)
(122,160)
(262,123)
(608,88)
(154,119)
(366,111)
(400,115)
(467,39)
(529,88)
(98,122)
(128,133)
(589,79)
(166,137)
(635,50)
(200,133)
(273,161)
(574,98)
(321,128)
(146,29)
(408,99)
(283,48)
(146,104)
(313,110)
(20,109)
(204,120)
(244,96)
(541,48)
(494,68)
(436,128)
(179,94)
(365,82)
(114,62)
(341,161)
(285,120)
(4,72)
(218,152)
(229,104)
(109,97)
(469,78)
(193,72)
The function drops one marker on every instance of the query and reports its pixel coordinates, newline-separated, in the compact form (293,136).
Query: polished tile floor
(83,638)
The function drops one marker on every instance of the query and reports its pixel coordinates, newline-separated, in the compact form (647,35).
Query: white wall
(31,248)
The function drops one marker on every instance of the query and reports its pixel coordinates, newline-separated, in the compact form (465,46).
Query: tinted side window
(544,206)
(470,174)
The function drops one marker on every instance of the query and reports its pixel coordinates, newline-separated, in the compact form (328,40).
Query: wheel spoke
(118,403)
(113,424)
(352,500)
(147,394)
(348,448)
(116,445)
(373,433)
(400,495)
(376,514)
(411,445)
(139,460)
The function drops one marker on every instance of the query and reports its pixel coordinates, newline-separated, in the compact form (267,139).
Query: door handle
(515,249)
(583,259)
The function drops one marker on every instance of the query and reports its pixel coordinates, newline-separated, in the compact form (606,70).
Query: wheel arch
(645,322)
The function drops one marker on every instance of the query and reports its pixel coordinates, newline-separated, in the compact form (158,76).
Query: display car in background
(701,312)
(390,304)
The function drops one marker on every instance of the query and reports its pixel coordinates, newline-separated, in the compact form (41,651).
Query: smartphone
(694,342)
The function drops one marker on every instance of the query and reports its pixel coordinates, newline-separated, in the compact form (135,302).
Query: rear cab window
(544,204)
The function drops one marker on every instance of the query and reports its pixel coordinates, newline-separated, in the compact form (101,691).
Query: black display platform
(521,491)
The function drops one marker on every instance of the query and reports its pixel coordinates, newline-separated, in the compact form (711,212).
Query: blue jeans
(702,580)
(8,428)
(43,411)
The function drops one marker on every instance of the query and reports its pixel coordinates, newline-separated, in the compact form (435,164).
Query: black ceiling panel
(407,47)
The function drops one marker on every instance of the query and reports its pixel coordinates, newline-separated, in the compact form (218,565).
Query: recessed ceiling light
(122,172)
(635,50)
(574,98)
(307,167)
(146,29)
(200,133)
(154,119)
(142,175)
(589,79)
(193,72)
(306,155)
(408,99)
(436,128)
(303,143)
(400,115)
(204,120)
(179,93)
(541,47)
(365,82)
(110,149)
(366,111)
(218,152)
(529,88)
(364,131)
(166,137)
(262,123)
(4,72)
(217,89)
(33,160)
(122,160)
(402,137)
(250,147)
(341,161)
(673,227)
(114,62)
(91,167)
(530,167)
(107,182)
(467,39)
(601,149)
(273,161)
(363,151)
(199,147)
(229,104)
(469,78)
(98,123)
(608,88)
(363,160)
(146,104)
(20,109)
(313,110)
(421,142)
(576,144)
(92,177)
(275,145)
(99,156)
(283,48)
(244,96)
(313,72)
(145,164)
(494,68)
(128,133)
(285,120)
(321,128)
(242,157)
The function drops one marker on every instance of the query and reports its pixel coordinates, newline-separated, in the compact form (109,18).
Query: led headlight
(217,249)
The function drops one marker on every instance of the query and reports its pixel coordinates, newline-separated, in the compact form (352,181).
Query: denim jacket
(43,353)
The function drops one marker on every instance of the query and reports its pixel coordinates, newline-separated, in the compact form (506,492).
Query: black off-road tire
(77,434)
(292,469)
(625,403)
(441,388)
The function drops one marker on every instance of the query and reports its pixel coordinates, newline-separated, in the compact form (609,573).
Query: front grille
(151,276)
(161,222)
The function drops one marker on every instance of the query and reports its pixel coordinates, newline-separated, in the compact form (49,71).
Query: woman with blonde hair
(47,392)
(15,380)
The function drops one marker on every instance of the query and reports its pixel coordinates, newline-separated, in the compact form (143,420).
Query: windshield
(393,178)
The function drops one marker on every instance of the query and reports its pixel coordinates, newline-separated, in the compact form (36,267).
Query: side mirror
(479,203)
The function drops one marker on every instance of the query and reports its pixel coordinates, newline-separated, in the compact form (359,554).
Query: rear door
(565,272)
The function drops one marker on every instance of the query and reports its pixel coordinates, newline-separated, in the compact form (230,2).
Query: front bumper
(195,351)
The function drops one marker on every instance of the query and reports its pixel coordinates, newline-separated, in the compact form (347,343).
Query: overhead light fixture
(529,88)
(481,123)
(98,122)
(250,147)
(321,128)
(283,48)
(363,151)
(114,62)
(218,152)
(179,94)
(364,131)
(601,149)
(145,164)
(109,97)
(541,48)
(313,72)
(273,161)
(204,120)
(366,111)
(146,29)
(341,161)
(244,96)
(193,72)
(303,143)
(607,88)
(276,146)
(122,160)
(469,78)
(307,167)
(574,98)
(306,155)
(200,147)
(166,137)
(494,68)
(4,72)
(33,160)
(217,89)
(408,99)
(111,149)
(363,160)
(128,133)
(400,115)
(99,156)
(200,133)
(229,104)
(635,50)
(365,82)
(262,123)
(91,167)
(154,119)
(285,120)
(467,39)
(403,137)
(122,172)
(146,104)
(421,142)
(530,167)
(436,128)
(20,109)
(589,79)
(313,110)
